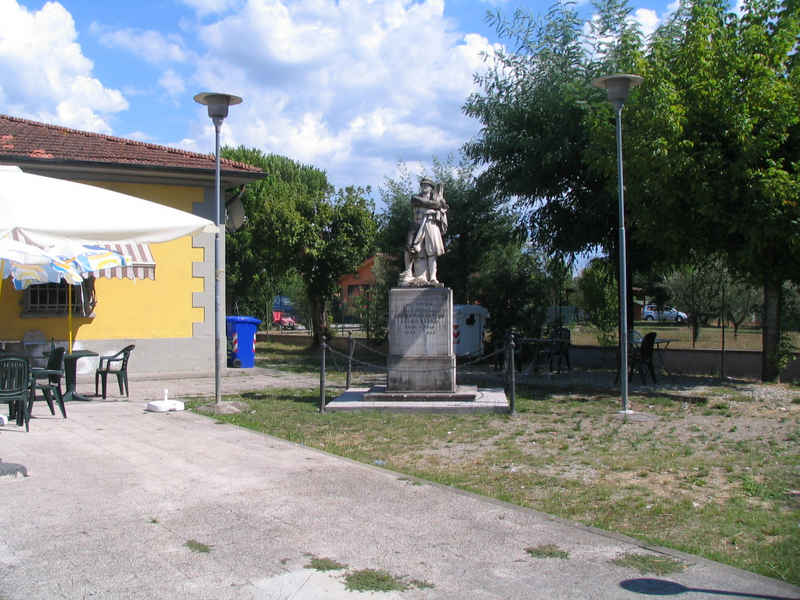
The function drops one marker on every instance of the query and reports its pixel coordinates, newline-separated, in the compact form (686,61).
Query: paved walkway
(114,494)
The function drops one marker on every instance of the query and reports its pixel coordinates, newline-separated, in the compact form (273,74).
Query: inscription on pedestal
(421,322)
(421,356)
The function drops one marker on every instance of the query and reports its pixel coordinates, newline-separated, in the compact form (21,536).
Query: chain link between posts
(507,351)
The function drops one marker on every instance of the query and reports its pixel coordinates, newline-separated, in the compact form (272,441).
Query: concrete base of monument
(421,374)
(462,393)
(466,399)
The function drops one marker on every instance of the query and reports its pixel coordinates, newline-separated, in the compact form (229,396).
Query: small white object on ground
(3,419)
(164,405)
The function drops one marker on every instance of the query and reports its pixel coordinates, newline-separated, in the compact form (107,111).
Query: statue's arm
(438,197)
(434,204)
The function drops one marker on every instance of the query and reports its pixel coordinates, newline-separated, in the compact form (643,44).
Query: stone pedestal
(421,357)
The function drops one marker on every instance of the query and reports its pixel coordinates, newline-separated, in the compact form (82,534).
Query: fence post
(350,348)
(513,400)
(506,378)
(322,377)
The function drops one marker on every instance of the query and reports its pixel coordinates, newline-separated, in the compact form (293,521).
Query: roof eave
(133,172)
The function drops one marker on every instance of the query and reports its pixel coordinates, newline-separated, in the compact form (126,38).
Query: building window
(52,299)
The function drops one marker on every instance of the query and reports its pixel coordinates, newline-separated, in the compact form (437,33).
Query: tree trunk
(319,320)
(771,330)
(736,326)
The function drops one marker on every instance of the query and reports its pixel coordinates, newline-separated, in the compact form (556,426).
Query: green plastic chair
(15,387)
(116,364)
(642,358)
(48,380)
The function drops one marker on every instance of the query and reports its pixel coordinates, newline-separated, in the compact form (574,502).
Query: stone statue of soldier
(425,243)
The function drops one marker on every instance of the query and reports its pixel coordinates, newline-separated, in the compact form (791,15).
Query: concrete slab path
(114,494)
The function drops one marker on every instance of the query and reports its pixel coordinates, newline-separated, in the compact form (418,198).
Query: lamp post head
(617,86)
(217,104)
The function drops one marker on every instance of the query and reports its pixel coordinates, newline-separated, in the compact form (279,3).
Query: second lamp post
(217,109)
(618,87)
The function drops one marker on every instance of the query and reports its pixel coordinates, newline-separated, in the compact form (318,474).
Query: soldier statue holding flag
(424,243)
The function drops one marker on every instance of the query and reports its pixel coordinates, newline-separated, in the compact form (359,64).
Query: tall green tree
(558,272)
(696,288)
(261,253)
(718,144)
(295,221)
(711,144)
(599,298)
(545,140)
(512,285)
(740,299)
(338,235)
(547,136)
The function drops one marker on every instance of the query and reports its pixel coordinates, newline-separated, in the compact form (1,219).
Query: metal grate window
(51,299)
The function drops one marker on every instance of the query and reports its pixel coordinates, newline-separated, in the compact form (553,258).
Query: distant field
(749,338)
(710,337)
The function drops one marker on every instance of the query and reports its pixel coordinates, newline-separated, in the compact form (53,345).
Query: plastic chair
(49,381)
(560,347)
(642,357)
(116,364)
(15,387)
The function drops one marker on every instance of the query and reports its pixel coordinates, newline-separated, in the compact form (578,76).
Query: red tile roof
(30,141)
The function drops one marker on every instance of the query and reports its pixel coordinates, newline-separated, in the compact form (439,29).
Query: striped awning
(143,264)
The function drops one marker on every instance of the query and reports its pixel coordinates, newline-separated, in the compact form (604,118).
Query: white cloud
(336,84)
(188,144)
(44,74)
(152,46)
(172,83)
(138,135)
(648,20)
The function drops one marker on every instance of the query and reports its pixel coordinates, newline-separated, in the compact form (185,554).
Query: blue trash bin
(241,332)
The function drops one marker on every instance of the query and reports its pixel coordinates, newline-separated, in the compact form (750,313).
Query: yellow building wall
(127,308)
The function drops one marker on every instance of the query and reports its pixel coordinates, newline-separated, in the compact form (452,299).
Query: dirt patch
(224,408)
(704,452)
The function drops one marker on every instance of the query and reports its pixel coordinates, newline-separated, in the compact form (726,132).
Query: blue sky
(350,86)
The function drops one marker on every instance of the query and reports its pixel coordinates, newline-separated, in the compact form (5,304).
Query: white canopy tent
(48,210)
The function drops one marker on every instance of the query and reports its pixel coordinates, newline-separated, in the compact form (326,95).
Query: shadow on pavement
(662,587)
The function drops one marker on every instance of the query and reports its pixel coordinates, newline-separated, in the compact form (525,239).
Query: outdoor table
(70,373)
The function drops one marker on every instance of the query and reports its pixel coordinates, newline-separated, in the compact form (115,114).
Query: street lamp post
(618,87)
(217,109)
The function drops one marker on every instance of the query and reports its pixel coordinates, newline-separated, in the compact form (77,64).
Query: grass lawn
(710,338)
(716,475)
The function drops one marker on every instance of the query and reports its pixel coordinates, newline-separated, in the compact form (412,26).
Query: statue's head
(425,183)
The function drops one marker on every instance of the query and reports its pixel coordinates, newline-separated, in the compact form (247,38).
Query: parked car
(667,313)
(285,322)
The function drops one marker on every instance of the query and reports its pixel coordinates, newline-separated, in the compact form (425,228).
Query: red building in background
(355,284)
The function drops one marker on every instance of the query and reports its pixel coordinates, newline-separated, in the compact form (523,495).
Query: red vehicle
(283,321)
